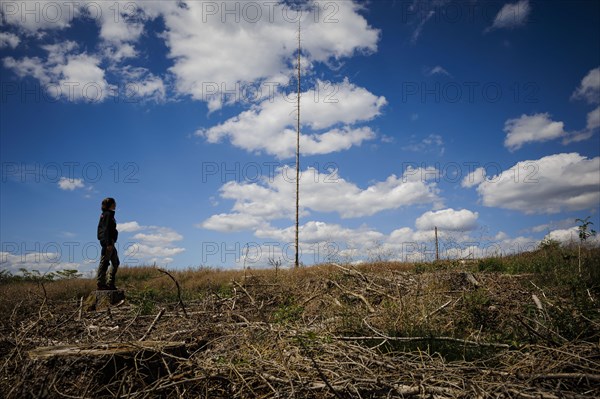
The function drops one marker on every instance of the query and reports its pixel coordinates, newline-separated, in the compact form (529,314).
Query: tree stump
(99,300)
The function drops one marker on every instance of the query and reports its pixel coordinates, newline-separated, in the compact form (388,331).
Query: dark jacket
(107,228)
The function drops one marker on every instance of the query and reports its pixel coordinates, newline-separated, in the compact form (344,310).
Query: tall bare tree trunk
(296,261)
(437,248)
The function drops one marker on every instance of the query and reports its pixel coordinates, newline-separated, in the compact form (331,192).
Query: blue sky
(480,118)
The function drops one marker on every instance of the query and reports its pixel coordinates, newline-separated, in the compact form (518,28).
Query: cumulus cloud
(8,39)
(257,203)
(474,178)
(551,184)
(323,108)
(154,244)
(593,119)
(65,74)
(68,184)
(142,84)
(552,225)
(531,128)
(31,17)
(448,219)
(322,241)
(511,16)
(257,46)
(129,227)
(570,235)
(431,143)
(589,89)
(42,261)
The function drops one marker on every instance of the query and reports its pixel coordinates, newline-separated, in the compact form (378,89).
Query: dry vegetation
(526,326)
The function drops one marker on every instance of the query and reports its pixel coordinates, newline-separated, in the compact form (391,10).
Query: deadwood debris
(334,341)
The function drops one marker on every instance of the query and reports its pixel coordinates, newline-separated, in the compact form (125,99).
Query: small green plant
(549,244)
(68,274)
(585,232)
(145,300)
(491,265)
(477,306)
(288,312)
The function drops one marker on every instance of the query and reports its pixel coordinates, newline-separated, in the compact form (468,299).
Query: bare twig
(178,290)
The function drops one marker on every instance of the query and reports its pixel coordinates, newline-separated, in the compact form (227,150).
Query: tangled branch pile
(328,332)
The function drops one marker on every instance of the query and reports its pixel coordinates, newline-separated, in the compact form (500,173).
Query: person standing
(107,235)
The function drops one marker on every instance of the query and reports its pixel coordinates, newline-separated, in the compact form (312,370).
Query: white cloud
(511,16)
(554,183)
(150,243)
(272,122)
(437,70)
(531,128)
(129,227)
(592,123)
(593,119)
(76,77)
(417,31)
(241,50)
(315,232)
(474,178)
(565,236)
(8,39)
(570,235)
(70,184)
(431,143)
(270,199)
(557,224)
(32,17)
(252,50)
(42,261)
(448,219)
(160,236)
(231,222)
(589,89)
(155,244)
(140,83)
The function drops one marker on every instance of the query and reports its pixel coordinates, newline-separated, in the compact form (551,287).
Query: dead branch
(178,290)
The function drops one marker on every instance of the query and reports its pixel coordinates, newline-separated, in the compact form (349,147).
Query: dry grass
(372,330)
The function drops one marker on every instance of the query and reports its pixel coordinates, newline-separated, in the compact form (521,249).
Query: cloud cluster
(255,204)
(589,88)
(150,244)
(448,219)
(70,184)
(42,261)
(531,128)
(209,43)
(330,114)
(250,46)
(555,183)
(540,127)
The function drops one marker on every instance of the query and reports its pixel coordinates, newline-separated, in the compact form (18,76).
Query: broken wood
(103,349)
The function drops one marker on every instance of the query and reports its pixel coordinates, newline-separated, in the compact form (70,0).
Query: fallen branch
(354,294)
(156,319)
(417,339)
(178,290)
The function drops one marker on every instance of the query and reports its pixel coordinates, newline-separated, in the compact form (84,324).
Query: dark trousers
(107,256)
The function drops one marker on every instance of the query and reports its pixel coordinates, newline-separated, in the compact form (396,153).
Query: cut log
(105,349)
(99,300)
